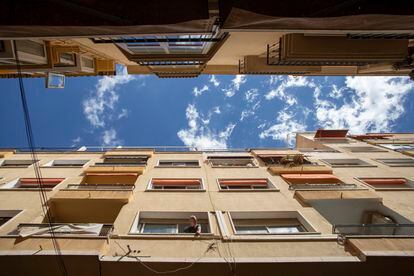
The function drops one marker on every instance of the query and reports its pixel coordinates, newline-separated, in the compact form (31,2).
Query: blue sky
(205,112)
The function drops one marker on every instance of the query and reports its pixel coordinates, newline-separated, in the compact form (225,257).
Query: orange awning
(176,182)
(310,178)
(385,181)
(244,182)
(331,133)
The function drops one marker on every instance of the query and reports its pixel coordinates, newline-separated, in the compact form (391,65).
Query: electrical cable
(29,135)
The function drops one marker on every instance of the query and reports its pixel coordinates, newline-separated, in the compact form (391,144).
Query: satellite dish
(54,80)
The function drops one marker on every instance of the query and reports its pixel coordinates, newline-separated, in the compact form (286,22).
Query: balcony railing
(273,53)
(101,187)
(333,186)
(388,229)
(63,229)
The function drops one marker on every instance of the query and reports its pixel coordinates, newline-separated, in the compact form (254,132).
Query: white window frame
(271,187)
(11,185)
(309,229)
(23,56)
(166,160)
(202,186)
(134,230)
(50,164)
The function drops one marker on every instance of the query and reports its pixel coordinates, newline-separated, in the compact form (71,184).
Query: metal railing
(273,53)
(43,229)
(317,186)
(386,229)
(107,164)
(101,187)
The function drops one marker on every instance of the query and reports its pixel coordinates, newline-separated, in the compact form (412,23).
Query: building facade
(334,203)
(297,37)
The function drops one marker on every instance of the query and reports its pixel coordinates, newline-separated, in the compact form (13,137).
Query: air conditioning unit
(30,52)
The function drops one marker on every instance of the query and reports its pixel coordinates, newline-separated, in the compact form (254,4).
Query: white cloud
(198,92)
(200,136)
(231,90)
(285,128)
(251,95)
(375,104)
(96,108)
(124,113)
(287,82)
(110,138)
(250,111)
(76,141)
(214,81)
(216,110)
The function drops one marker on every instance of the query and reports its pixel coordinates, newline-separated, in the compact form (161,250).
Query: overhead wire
(30,140)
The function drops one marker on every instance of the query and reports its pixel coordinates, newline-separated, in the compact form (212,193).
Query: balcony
(315,186)
(383,229)
(100,187)
(62,229)
(305,169)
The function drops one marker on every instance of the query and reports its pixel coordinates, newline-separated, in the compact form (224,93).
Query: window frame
(364,164)
(172,215)
(253,161)
(271,187)
(2,162)
(50,164)
(12,216)
(201,189)
(16,181)
(308,228)
(410,188)
(175,160)
(381,160)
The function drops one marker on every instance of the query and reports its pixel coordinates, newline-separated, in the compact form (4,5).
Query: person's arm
(198,231)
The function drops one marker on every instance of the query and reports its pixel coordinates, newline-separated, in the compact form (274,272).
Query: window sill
(353,166)
(235,167)
(171,236)
(61,167)
(14,167)
(176,190)
(178,167)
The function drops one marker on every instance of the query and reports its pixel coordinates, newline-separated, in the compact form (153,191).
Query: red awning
(331,133)
(33,181)
(244,182)
(385,181)
(176,182)
(310,178)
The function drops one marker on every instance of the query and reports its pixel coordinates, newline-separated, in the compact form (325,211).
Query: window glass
(159,228)
(251,229)
(284,229)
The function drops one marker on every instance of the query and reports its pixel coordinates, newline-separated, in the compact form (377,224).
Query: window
(110,178)
(245,184)
(347,163)
(32,183)
(398,147)
(7,215)
(176,184)
(67,59)
(232,161)
(66,163)
(269,229)
(388,183)
(124,160)
(178,163)
(17,163)
(364,149)
(397,162)
(169,223)
(269,223)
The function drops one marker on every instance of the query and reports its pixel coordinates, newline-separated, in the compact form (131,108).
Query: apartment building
(336,203)
(164,38)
